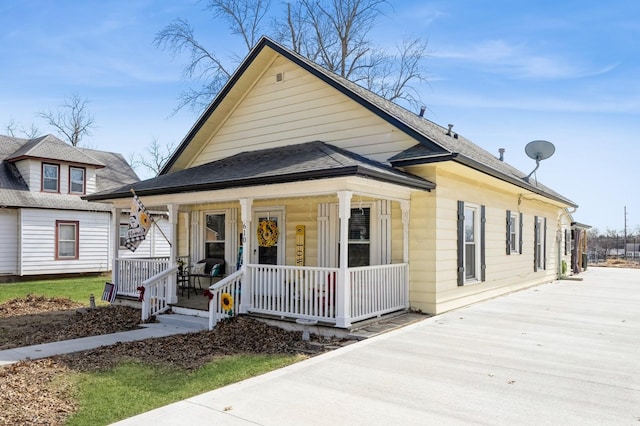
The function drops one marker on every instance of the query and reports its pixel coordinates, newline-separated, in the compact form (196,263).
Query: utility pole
(625,232)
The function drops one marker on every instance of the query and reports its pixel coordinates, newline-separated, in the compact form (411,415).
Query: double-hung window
(514,232)
(471,243)
(214,240)
(50,177)
(76,180)
(360,237)
(67,239)
(122,232)
(540,243)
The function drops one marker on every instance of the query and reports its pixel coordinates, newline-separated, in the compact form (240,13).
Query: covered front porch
(302,273)
(302,232)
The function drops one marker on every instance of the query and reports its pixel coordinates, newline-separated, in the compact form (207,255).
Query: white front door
(268,238)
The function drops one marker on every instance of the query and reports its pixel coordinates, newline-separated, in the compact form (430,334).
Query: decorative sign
(299,245)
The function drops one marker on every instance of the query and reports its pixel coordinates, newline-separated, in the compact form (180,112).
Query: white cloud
(561,103)
(518,61)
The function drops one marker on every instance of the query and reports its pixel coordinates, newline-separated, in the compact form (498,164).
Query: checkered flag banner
(139,224)
(109,293)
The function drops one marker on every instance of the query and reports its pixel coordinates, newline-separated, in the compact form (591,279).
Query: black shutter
(544,246)
(508,232)
(483,263)
(535,244)
(460,243)
(520,234)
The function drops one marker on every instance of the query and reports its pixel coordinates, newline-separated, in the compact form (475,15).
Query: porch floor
(196,300)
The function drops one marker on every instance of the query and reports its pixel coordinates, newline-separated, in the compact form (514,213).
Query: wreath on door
(267,233)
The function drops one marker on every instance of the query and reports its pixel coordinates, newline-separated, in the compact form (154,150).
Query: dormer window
(50,177)
(76,180)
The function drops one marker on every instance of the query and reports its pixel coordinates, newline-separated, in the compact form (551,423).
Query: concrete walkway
(566,353)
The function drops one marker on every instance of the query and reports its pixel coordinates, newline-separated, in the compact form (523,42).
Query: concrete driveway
(565,353)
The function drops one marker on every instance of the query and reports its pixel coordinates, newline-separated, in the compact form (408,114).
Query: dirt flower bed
(36,392)
(35,319)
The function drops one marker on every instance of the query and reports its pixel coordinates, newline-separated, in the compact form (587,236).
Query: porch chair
(184,280)
(209,267)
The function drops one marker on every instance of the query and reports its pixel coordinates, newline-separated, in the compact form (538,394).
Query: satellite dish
(538,150)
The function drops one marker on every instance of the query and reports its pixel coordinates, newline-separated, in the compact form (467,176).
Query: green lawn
(133,388)
(77,289)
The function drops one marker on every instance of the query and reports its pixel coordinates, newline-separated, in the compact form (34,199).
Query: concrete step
(194,323)
(389,323)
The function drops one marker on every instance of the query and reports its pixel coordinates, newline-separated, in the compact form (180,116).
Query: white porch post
(246,205)
(172,297)
(343,296)
(115,244)
(404,207)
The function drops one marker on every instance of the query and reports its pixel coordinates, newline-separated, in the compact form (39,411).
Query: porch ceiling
(298,170)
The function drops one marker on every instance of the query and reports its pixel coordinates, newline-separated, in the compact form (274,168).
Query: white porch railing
(294,291)
(157,291)
(377,290)
(229,286)
(131,272)
(285,291)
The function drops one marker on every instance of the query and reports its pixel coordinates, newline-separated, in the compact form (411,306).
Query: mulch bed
(34,392)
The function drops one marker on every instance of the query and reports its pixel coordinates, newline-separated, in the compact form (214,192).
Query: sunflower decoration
(267,233)
(145,222)
(226,301)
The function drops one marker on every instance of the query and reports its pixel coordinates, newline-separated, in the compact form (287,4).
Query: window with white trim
(76,180)
(360,237)
(122,232)
(514,232)
(471,243)
(215,235)
(471,246)
(540,243)
(67,239)
(50,177)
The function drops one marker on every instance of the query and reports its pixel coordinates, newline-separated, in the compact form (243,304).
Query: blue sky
(503,72)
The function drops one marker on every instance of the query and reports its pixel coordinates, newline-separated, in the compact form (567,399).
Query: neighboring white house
(47,227)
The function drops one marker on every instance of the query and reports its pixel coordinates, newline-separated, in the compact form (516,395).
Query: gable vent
(279,77)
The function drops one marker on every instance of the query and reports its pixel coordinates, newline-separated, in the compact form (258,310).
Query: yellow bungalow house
(329,203)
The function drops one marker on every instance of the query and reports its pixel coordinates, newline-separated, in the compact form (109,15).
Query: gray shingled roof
(113,171)
(51,148)
(432,142)
(307,161)
(116,173)
(9,176)
(436,143)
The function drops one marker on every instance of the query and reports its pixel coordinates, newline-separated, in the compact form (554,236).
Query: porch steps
(195,323)
(384,324)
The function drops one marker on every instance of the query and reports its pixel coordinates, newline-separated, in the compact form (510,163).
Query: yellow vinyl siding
(422,252)
(301,212)
(183,234)
(504,273)
(397,230)
(300,109)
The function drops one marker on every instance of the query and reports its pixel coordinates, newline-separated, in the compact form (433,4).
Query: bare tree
(332,33)
(156,156)
(14,129)
(72,120)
